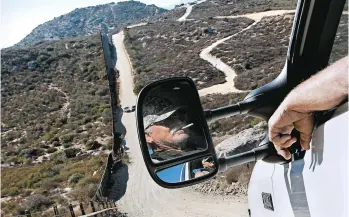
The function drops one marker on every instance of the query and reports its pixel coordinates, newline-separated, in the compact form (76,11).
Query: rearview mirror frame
(152,167)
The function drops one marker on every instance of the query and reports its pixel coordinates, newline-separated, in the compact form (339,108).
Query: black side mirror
(173,133)
(175,140)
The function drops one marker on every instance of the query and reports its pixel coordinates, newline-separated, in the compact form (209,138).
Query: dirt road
(143,196)
(188,11)
(229,86)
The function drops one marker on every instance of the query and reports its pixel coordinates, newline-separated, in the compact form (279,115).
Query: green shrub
(51,183)
(12,207)
(71,152)
(214,125)
(256,121)
(67,145)
(44,146)
(51,150)
(32,152)
(37,202)
(10,192)
(67,138)
(49,48)
(137,87)
(83,193)
(92,145)
(58,157)
(61,201)
(56,144)
(54,139)
(75,178)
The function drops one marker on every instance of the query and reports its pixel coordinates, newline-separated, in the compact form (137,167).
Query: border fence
(115,157)
(90,209)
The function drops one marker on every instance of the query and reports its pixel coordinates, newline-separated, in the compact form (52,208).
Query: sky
(172,174)
(20,17)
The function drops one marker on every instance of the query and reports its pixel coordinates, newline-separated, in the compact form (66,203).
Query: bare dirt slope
(143,196)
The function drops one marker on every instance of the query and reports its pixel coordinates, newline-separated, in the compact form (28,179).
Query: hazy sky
(20,17)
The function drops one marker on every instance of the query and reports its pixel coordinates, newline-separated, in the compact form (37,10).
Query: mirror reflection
(188,171)
(172,126)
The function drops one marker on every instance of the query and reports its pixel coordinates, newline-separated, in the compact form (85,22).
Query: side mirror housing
(174,137)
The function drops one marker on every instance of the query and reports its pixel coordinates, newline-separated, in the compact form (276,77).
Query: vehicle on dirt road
(127,109)
(311,183)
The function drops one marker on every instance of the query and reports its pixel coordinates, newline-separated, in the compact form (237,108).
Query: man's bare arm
(322,91)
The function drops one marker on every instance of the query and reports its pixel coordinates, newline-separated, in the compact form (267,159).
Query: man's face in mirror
(163,137)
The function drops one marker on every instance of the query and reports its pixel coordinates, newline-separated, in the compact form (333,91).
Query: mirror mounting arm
(242,107)
(265,152)
(222,112)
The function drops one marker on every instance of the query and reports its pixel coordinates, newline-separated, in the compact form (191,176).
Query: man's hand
(281,125)
(322,91)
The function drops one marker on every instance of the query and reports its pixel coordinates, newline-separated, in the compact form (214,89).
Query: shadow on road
(114,181)
(118,182)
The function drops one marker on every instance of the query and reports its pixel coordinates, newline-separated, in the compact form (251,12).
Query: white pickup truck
(314,186)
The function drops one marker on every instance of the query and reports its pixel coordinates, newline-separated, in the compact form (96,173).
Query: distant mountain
(86,21)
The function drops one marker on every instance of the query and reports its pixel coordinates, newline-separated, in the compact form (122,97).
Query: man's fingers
(280,139)
(288,143)
(305,127)
(283,152)
(284,141)
(275,131)
(305,141)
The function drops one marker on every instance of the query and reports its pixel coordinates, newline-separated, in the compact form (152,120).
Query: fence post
(103,204)
(100,206)
(71,210)
(27,213)
(82,209)
(92,206)
(55,210)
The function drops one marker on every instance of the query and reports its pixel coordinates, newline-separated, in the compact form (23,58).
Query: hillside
(86,21)
(54,96)
(55,115)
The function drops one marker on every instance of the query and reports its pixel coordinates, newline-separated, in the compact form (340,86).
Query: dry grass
(43,179)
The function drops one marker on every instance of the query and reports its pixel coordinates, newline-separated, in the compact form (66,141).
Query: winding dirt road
(188,11)
(144,198)
(229,85)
